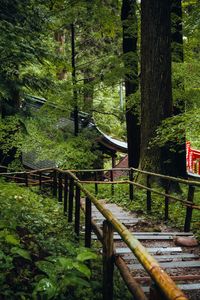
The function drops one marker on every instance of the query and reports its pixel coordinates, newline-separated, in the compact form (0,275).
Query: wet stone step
(170,265)
(170,257)
(157,250)
(183,287)
(142,237)
(122,220)
(164,233)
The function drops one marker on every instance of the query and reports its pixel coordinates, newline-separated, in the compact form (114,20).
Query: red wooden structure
(192,159)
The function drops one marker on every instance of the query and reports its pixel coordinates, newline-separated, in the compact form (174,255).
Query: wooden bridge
(151,264)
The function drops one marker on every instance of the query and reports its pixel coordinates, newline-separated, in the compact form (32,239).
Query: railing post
(26,179)
(189,209)
(40,180)
(65,193)
(71,197)
(55,183)
(154,293)
(108,261)
(112,185)
(131,185)
(88,224)
(167,188)
(148,194)
(77,211)
(96,185)
(60,187)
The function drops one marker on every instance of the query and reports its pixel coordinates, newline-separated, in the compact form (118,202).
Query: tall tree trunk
(75,96)
(156,88)
(129,23)
(179,155)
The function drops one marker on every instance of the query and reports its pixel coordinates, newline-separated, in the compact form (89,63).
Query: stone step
(157,250)
(170,265)
(183,287)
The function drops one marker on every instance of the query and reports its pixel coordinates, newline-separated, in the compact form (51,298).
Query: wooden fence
(167,182)
(70,191)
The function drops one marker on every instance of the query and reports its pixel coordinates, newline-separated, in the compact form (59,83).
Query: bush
(40,257)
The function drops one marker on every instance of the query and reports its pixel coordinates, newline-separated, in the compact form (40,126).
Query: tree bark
(75,96)
(156,87)
(129,23)
(179,156)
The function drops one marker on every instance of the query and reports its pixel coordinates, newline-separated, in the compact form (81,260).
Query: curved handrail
(160,277)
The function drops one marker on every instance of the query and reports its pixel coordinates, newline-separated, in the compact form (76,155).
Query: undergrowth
(40,257)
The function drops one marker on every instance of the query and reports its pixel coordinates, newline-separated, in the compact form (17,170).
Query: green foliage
(52,139)
(173,130)
(11,137)
(40,258)
(23,29)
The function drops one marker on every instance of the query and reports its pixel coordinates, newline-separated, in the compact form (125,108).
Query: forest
(93,85)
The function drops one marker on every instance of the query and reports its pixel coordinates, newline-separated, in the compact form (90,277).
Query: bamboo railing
(188,203)
(69,189)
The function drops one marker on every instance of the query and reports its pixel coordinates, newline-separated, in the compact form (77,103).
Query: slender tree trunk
(75,96)
(129,23)
(156,88)
(179,156)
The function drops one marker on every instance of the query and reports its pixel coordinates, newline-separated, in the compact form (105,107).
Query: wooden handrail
(180,180)
(184,202)
(159,276)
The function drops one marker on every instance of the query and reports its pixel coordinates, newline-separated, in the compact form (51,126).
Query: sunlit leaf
(21,252)
(82,268)
(11,239)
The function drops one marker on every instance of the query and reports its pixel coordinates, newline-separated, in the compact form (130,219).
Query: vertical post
(88,224)
(154,293)
(60,187)
(26,179)
(96,185)
(71,197)
(55,183)
(167,188)
(76,125)
(148,194)
(65,193)
(131,185)
(189,209)
(112,185)
(108,261)
(40,180)
(113,161)
(77,210)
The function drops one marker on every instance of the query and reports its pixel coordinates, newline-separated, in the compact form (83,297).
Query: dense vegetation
(40,256)
(36,49)
(133,67)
